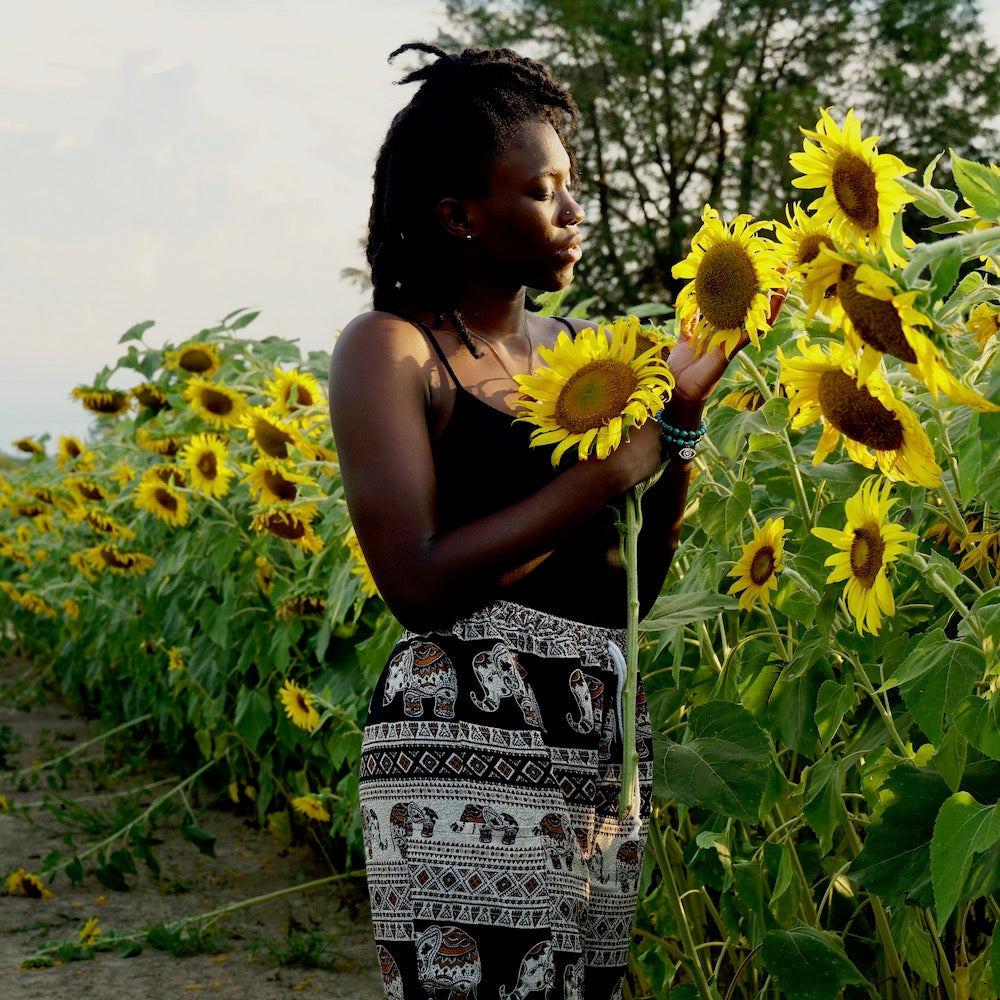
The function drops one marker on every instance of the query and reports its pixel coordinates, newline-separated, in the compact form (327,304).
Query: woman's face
(525,228)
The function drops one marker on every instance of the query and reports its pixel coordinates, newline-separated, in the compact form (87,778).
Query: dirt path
(329,923)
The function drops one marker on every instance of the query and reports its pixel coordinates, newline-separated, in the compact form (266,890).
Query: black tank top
(483,462)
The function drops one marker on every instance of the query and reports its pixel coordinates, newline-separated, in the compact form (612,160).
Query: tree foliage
(686,103)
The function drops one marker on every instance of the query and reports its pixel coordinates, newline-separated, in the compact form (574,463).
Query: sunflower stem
(630,553)
(978,242)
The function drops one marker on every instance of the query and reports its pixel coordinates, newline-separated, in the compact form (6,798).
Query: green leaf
(785,896)
(721,514)
(136,332)
(913,941)
(245,320)
(111,878)
(822,805)
(934,677)
(808,964)
(673,610)
(950,756)
(833,702)
(724,767)
(979,185)
(201,839)
(963,828)
(975,719)
(895,862)
(74,872)
(253,715)
(944,272)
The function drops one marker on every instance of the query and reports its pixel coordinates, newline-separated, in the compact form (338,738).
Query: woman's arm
(379,399)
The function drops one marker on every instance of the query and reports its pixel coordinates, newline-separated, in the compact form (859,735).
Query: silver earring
(468,236)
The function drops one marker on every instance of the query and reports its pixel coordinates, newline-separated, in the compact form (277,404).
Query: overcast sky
(176,160)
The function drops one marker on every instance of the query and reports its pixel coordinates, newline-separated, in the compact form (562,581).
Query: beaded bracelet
(678,437)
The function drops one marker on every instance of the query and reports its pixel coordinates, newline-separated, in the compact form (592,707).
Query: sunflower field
(821,668)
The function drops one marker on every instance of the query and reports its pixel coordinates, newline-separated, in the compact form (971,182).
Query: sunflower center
(867,550)
(298,395)
(286,527)
(166,500)
(857,413)
(810,245)
(725,285)
(216,402)
(282,488)
(91,492)
(762,565)
(208,464)
(196,360)
(594,394)
(114,559)
(72,449)
(854,188)
(876,321)
(271,440)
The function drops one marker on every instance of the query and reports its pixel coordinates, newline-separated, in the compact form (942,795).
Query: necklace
(489,346)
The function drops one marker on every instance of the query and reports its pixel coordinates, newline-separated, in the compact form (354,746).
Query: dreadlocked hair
(445,143)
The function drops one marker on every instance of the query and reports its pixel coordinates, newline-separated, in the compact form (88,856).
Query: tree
(686,103)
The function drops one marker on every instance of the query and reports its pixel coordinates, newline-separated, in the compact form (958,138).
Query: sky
(175,160)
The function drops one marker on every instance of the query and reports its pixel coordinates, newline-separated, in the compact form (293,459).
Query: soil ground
(246,963)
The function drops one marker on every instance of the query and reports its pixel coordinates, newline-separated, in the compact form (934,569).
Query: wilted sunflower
(161,499)
(274,437)
(294,524)
(311,806)
(757,569)
(984,322)
(90,932)
(103,523)
(264,574)
(299,705)
(194,357)
(800,242)
(151,396)
(29,446)
(868,544)
(175,660)
(22,883)
(882,319)
(733,272)
(206,460)
(982,549)
(595,389)
(106,402)
(359,565)
(822,384)
(861,190)
(110,557)
(37,605)
(215,403)
(157,444)
(294,391)
(272,481)
(301,604)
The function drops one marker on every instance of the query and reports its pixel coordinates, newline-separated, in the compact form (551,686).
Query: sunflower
(264,574)
(194,358)
(299,705)
(151,396)
(175,660)
(822,384)
(72,451)
(206,460)
(215,403)
(800,242)
(29,446)
(300,605)
(733,272)
(90,932)
(593,391)
(22,883)
(882,319)
(122,473)
(982,549)
(757,569)
(106,402)
(157,444)
(868,545)
(273,436)
(86,490)
(359,566)
(293,391)
(984,322)
(311,806)
(294,524)
(271,481)
(109,557)
(37,605)
(861,190)
(163,500)
(70,608)
(102,523)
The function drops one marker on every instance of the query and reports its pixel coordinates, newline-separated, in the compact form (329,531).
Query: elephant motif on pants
(391,978)
(537,972)
(628,863)
(585,691)
(558,844)
(490,822)
(422,670)
(501,676)
(370,830)
(404,816)
(573,979)
(448,959)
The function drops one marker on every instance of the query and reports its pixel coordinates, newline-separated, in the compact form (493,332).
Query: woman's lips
(572,253)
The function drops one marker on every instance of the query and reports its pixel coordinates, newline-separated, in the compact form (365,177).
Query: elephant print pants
(490,771)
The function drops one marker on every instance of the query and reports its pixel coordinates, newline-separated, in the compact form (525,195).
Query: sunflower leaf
(973,719)
(809,964)
(979,185)
(136,332)
(673,610)
(963,829)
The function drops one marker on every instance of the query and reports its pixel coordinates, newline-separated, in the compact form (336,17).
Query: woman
(497,865)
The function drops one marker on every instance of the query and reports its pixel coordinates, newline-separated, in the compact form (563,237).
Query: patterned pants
(490,770)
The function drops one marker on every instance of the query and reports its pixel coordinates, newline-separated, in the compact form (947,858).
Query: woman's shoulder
(375,336)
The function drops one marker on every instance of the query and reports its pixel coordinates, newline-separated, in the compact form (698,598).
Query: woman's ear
(452,216)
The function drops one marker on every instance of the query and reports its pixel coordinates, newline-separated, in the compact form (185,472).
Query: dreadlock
(445,143)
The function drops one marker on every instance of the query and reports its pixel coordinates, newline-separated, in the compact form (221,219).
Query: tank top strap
(437,350)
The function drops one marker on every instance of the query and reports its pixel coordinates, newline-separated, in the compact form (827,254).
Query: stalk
(630,553)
